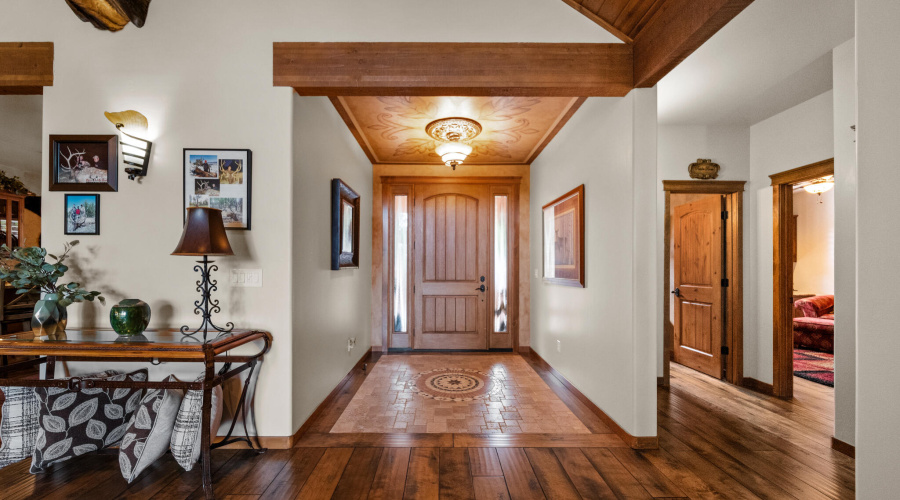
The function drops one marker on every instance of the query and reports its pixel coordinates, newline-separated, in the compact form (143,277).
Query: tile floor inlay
(462,393)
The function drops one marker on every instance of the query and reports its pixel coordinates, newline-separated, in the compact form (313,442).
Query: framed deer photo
(219,178)
(84,163)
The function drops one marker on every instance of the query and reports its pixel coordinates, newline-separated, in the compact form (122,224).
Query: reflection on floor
(474,393)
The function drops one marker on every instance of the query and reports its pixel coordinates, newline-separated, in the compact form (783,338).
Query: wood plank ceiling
(622,18)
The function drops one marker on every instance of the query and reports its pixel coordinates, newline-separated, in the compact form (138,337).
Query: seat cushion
(186,438)
(814,333)
(19,425)
(149,430)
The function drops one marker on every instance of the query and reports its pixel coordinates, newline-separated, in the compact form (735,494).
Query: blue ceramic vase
(48,316)
(130,317)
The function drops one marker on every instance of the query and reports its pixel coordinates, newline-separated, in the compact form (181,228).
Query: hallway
(716,441)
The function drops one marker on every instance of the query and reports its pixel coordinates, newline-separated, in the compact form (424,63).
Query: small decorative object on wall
(27,270)
(344,226)
(704,169)
(564,239)
(204,235)
(82,214)
(130,317)
(219,178)
(111,15)
(135,151)
(84,163)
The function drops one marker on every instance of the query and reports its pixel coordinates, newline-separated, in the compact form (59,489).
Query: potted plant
(27,270)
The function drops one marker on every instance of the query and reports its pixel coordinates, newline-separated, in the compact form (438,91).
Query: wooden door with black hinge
(452,260)
(698,231)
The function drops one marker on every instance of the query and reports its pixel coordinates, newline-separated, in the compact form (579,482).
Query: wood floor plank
(232,473)
(359,474)
(484,462)
(455,475)
(520,478)
(288,483)
(615,474)
(423,474)
(490,488)
(688,482)
(152,480)
(374,440)
(390,478)
(651,478)
(188,482)
(586,479)
(538,440)
(551,475)
(325,476)
(267,468)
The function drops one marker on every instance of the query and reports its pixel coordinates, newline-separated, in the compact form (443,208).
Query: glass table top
(110,337)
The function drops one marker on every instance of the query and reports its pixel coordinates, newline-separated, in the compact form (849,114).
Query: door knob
(481,288)
(677,292)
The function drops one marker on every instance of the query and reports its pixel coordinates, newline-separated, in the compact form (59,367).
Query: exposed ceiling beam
(463,69)
(675,32)
(25,68)
(608,26)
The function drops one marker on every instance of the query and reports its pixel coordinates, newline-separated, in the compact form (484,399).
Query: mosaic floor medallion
(446,384)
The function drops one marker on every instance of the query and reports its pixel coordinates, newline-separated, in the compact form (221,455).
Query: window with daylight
(501,264)
(401,264)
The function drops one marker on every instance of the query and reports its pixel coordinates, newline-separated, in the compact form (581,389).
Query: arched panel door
(452,241)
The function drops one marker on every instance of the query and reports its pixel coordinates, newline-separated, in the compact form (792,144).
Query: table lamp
(204,234)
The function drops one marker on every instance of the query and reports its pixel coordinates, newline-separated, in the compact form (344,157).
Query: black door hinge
(724,282)
(725,350)
(724,214)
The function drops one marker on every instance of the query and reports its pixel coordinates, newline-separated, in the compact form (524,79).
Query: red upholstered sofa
(815,329)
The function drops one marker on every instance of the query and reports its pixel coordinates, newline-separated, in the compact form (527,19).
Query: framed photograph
(82,214)
(344,226)
(564,239)
(84,163)
(219,178)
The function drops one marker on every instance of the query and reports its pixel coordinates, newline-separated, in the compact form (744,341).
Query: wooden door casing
(699,267)
(452,238)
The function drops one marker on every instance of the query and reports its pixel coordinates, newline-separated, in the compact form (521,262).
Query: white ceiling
(773,56)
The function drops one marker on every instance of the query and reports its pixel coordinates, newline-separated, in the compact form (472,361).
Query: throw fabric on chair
(815,330)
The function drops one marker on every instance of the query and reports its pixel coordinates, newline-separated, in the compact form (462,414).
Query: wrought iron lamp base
(206,306)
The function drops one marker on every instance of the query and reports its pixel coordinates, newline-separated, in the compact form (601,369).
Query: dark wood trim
(112,168)
(635,442)
(338,104)
(711,187)
(394,179)
(809,172)
(758,386)
(580,282)
(576,104)
(25,67)
(677,29)
(603,23)
(845,448)
(456,69)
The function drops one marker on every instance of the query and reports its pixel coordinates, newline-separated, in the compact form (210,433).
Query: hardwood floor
(716,441)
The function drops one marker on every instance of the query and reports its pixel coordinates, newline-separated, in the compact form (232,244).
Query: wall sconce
(135,151)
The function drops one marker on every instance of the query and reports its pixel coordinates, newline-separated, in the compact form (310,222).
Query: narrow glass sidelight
(501,264)
(401,264)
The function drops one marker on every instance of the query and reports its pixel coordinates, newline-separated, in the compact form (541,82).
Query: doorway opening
(803,319)
(703,278)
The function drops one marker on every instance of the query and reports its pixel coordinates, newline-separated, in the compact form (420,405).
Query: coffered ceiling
(515,129)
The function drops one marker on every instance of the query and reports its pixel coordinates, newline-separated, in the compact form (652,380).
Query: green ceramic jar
(130,317)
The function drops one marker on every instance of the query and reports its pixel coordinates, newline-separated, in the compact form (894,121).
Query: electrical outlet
(537,273)
(246,278)
(558,345)
(351,343)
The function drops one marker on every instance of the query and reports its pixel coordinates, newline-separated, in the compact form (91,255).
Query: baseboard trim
(270,442)
(635,442)
(758,386)
(845,448)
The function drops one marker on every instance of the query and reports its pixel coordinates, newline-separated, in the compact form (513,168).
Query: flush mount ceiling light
(819,186)
(453,133)
(135,151)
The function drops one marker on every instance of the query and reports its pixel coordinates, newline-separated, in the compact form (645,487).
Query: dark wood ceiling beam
(25,67)
(675,32)
(464,69)
(608,26)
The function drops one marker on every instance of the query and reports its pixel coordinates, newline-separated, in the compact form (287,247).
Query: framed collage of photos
(219,178)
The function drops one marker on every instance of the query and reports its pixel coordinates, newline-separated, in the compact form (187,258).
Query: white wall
(329,306)
(607,329)
(878,342)
(20,138)
(814,269)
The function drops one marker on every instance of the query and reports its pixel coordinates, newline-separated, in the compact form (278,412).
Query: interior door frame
(734,272)
(783,271)
(400,185)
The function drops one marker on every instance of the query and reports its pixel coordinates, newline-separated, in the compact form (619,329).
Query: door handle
(481,288)
(677,292)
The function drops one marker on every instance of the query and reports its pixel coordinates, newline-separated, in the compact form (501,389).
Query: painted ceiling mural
(514,128)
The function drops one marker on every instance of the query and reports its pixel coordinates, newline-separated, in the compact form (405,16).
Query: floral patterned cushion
(75,423)
(149,430)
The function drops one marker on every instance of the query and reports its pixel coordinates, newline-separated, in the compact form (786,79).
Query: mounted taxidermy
(111,15)
(704,169)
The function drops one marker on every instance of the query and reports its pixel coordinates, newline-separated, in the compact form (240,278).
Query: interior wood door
(451,249)
(698,231)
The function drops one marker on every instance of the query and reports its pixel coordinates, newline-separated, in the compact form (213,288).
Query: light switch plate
(246,278)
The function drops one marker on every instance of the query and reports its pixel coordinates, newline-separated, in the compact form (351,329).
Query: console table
(154,347)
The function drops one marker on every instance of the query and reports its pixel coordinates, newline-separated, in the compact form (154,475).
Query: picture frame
(219,178)
(345,215)
(82,214)
(84,163)
(563,239)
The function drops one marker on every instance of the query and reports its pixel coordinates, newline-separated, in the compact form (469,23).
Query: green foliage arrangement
(12,184)
(27,269)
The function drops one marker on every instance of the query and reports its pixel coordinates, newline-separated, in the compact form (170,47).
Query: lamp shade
(204,234)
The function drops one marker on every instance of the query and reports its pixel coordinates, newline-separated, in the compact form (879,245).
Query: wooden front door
(451,251)
(698,254)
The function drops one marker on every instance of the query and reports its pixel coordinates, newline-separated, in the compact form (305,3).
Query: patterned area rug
(815,366)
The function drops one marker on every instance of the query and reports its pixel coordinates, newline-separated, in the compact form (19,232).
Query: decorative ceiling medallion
(704,169)
(454,129)
(453,384)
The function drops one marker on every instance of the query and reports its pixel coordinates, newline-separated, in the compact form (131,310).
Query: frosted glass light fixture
(819,186)
(135,151)
(453,134)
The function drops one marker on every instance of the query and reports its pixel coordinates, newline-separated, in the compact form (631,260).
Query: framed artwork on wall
(344,226)
(564,239)
(82,214)
(219,178)
(84,163)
